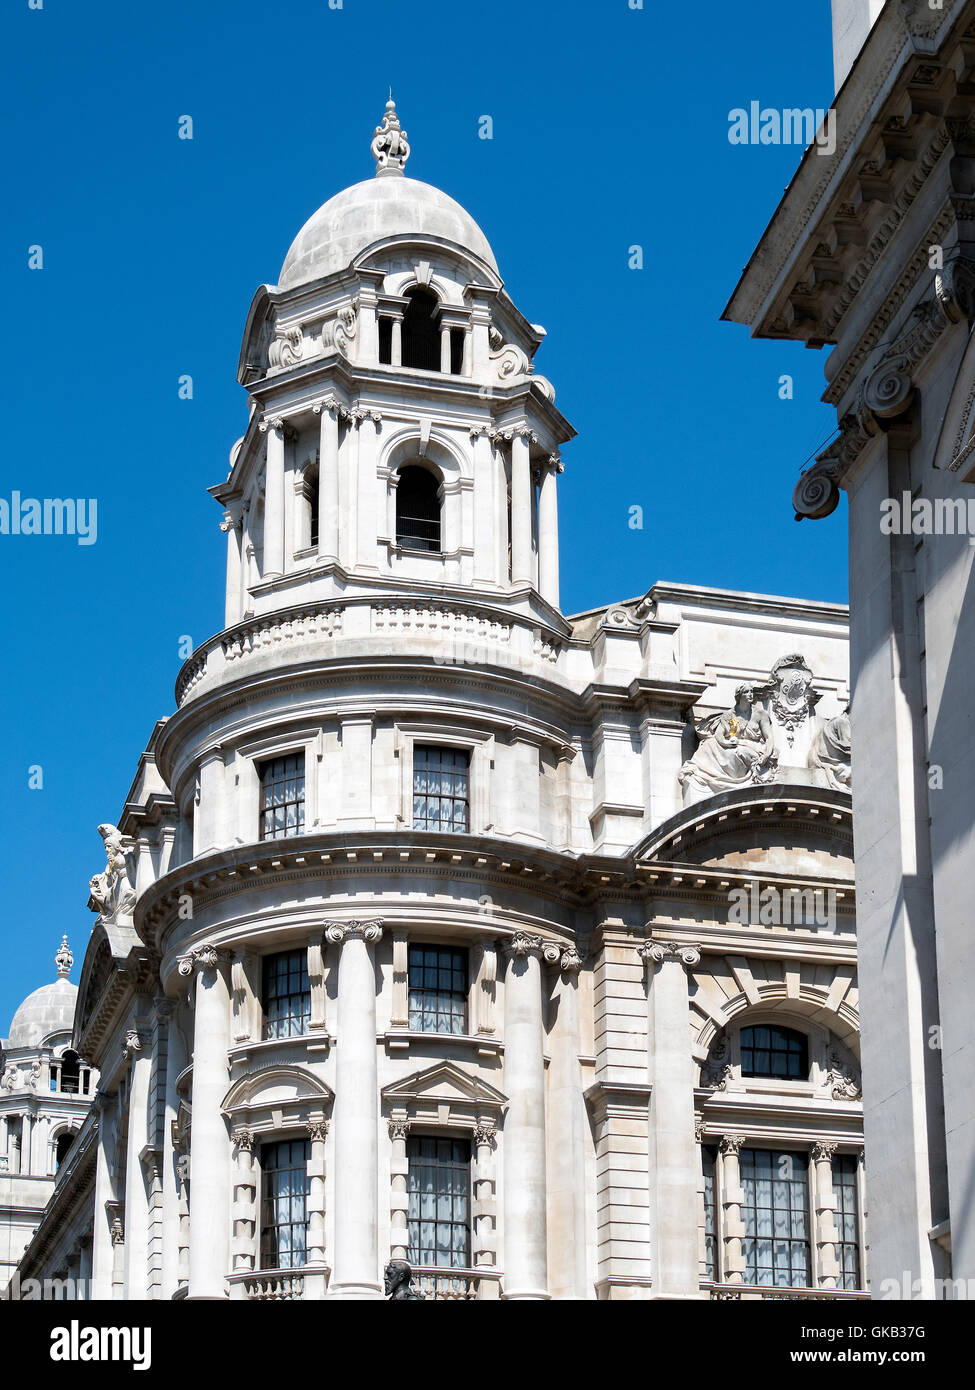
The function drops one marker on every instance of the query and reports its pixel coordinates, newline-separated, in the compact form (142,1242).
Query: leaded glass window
(283,796)
(439,1195)
(776,1217)
(847,1218)
(284,1204)
(438,989)
(441,788)
(774,1052)
(286,995)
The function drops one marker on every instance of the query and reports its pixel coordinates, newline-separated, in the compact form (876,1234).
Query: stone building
(439,925)
(872,253)
(45,1092)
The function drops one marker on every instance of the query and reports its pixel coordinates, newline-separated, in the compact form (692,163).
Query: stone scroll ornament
(390,147)
(112,895)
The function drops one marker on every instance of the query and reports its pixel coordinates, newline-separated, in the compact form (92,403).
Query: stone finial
(390,147)
(63,959)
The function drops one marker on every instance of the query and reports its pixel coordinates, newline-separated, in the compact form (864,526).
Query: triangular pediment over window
(445,1084)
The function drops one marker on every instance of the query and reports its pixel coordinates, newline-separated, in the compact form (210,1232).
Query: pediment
(274,1087)
(779,829)
(444,1084)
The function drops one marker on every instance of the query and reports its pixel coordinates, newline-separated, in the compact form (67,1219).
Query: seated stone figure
(736,750)
(830,752)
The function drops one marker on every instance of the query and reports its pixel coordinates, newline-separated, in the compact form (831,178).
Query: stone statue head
(396,1279)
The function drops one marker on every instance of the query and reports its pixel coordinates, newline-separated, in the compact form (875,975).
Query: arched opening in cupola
(421,332)
(61,1147)
(418,509)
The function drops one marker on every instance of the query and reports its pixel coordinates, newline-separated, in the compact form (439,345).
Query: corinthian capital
(731,1143)
(370,930)
(656,952)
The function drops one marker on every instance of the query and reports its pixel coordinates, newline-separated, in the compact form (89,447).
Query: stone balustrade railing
(776,1293)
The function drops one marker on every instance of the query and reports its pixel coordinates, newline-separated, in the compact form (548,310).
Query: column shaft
(548,536)
(328,483)
(136,1203)
(274,500)
(209,1141)
(525,1228)
(521,511)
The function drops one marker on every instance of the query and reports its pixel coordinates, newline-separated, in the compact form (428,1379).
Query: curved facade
(408,945)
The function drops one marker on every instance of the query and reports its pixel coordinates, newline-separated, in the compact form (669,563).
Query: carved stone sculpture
(831,751)
(390,147)
(398,1282)
(736,749)
(112,893)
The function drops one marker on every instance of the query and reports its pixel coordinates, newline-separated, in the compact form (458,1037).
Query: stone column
(396,340)
(485,1213)
(102,1254)
(26,1144)
(136,1203)
(398,1197)
(521,508)
(244,1214)
(732,1198)
(370,423)
(356,1114)
(328,480)
(274,428)
(525,1229)
(502,561)
(826,1269)
(548,532)
(566,1131)
(485,529)
(673,1153)
(445,351)
(209,1141)
(235,560)
(317,1135)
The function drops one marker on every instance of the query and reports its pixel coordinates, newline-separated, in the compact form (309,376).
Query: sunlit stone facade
(431,928)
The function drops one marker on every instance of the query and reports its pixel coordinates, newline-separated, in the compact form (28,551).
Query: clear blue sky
(610,129)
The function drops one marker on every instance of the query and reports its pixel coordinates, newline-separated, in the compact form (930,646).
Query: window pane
(776,1217)
(284,1204)
(438,1212)
(286,995)
(437,989)
(282,805)
(441,788)
(774,1052)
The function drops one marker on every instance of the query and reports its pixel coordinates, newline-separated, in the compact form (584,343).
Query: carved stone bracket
(888,391)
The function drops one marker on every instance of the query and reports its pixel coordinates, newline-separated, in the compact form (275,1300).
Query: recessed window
(286,995)
(284,1204)
(61,1147)
(774,1052)
(441,788)
(776,1217)
(438,989)
(457,336)
(385,341)
(418,509)
(283,796)
(439,1198)
(421,332)
(847,1219)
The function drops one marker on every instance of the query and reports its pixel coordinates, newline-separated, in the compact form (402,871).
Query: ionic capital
(522,944)
(656,952)
(326,404)
(134,1041)
(567,958)
(370,930)
(206,957)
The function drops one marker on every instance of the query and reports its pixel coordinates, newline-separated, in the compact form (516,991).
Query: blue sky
(610,130)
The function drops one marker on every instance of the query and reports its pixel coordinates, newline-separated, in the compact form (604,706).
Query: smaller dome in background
(49,1010)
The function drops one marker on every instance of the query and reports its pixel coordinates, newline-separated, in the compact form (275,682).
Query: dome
(374,209)
(49,1009)
(388,205)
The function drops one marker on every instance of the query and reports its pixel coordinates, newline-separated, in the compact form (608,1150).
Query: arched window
(421,334)
(418,509)
(61,1147)
(309,492)
(767,1050)
(70,1078)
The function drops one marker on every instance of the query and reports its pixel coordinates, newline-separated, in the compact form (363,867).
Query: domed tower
(45,1091)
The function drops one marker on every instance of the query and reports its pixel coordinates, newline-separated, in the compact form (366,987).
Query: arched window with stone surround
(421,331)
(418,525)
